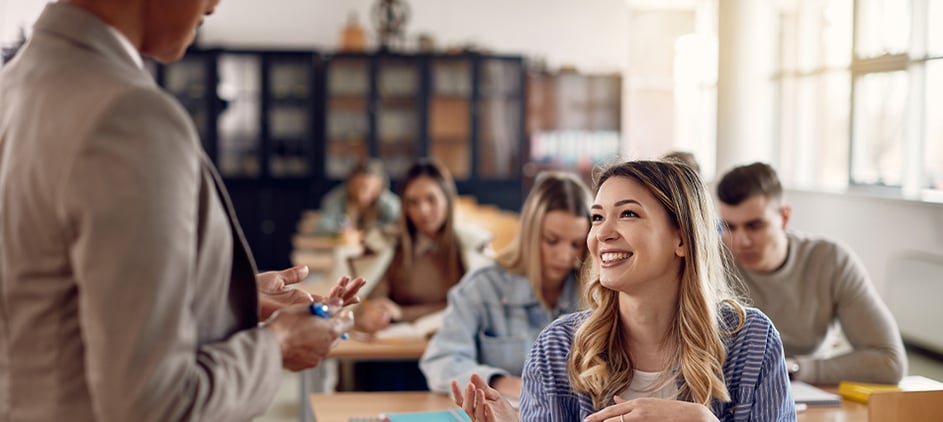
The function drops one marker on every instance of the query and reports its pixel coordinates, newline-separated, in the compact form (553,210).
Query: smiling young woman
(664,338)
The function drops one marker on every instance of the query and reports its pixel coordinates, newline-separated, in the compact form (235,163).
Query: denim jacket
(489,326)
(334,210)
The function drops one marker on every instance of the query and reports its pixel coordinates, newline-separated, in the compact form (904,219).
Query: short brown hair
(743,182)
(370,167)
(683,157)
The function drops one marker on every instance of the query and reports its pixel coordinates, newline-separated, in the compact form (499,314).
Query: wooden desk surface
(377,349)
(358,347)
(337,407)
(313,241)
(849,411)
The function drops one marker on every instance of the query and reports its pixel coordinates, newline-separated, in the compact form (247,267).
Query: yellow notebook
(859,391)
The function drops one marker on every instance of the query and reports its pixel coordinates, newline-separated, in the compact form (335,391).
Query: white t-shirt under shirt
(643,384)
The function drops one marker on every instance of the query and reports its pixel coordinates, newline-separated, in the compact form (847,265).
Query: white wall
(589,34)
(884,233)
(877,229)
(15,14)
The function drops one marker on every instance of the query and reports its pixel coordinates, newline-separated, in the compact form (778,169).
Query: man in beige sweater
(808,286)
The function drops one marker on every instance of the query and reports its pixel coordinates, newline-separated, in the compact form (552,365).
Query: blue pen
(323,311)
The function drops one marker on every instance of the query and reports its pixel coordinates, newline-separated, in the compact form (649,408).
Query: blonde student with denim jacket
(495,313)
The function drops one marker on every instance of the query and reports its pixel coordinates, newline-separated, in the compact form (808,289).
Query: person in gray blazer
(127,292)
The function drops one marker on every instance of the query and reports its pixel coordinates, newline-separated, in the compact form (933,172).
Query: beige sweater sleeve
(822,283)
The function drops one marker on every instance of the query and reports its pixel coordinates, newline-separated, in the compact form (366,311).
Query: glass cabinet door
(348,98)
(397,118)
(187,81)
(289,114)
(500,118)
(449,124)
(239,118)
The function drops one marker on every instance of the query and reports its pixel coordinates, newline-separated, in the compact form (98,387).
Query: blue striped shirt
(754,370)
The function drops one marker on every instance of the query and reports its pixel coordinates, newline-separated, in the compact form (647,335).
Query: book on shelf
(860,391)
(422,327)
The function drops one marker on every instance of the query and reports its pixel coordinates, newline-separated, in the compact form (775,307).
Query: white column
(745,94)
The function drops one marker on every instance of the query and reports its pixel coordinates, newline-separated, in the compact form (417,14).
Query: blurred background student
(495,313)
(818,293)
(683,157)
(363,202)
(410,267)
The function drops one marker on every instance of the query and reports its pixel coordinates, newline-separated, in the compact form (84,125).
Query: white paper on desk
(813,396)
(423,327)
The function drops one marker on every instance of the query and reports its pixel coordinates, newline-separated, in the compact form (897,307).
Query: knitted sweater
(820,284)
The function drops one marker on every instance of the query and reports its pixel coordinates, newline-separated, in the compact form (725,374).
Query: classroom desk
(319,253)
(849,411)
(355,349)
(380,349)
(338,407)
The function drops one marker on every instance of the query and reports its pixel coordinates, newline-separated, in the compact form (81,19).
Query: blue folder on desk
(451,415)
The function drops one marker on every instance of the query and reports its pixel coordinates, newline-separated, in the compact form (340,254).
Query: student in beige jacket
(411,266)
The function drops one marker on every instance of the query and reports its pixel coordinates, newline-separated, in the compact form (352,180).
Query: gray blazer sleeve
(132,200)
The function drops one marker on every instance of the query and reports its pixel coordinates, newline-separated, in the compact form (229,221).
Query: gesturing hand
(377,314)
(344,292)
(483,403)
(274,292)
(651,409)
(303,339)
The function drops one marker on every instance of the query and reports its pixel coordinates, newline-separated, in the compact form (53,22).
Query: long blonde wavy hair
(599,363)
(552,191)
